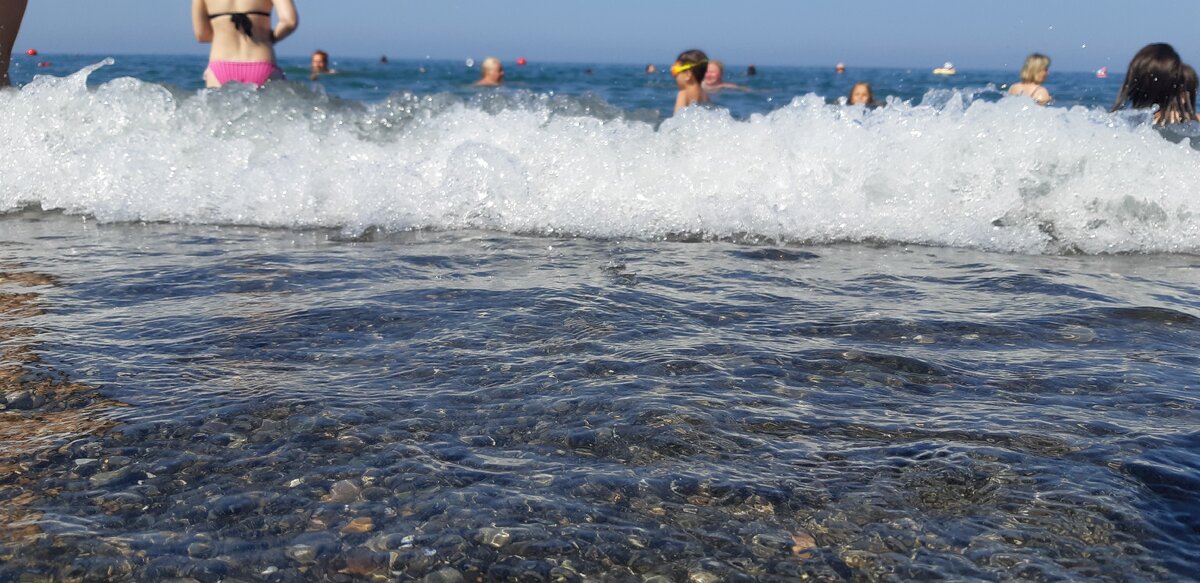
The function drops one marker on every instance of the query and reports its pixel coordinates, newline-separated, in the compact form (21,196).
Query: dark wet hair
(697,57)
(1190,83)
(751,70)
(1155,79)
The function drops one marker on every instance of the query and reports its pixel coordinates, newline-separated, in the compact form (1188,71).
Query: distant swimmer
(751,71)
(714,79)
(492,71)
(243,42)
(1033,75)
(689,71)
(320,65)
(862,94)
(840,68)
(12,12)
(383,60)
(946,70)
(651,69)
(1155,80)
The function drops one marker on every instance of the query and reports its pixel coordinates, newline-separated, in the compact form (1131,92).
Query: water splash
(952,170)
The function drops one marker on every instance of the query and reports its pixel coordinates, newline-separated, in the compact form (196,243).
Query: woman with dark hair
(1156,80)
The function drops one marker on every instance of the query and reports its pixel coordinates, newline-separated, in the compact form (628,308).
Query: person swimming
(1155,80)
(243,42)
(12,12)
(492,71)
(689,71)
(714,79)
(862,94)
(651,69)
(1033,75)
(319,65)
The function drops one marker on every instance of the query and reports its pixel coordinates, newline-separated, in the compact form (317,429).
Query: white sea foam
(950,171)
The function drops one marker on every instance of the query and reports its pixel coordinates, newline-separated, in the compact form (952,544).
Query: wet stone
(228,506)
(200,550)
(493,537)
(359,526)
(375,494)
(19,400)
(343,491)
(303,554)
(447,575)
(702,576)
(116,478)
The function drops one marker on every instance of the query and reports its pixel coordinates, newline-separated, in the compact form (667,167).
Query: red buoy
(31,52)
(45,64)
(521,61)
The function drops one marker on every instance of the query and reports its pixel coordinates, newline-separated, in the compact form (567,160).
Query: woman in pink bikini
(243,42)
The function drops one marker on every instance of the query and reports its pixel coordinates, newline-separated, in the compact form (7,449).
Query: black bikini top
(241,20)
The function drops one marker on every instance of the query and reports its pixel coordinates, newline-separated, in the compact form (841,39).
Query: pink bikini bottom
(250,73)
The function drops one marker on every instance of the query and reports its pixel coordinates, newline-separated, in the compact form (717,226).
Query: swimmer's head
(1037,66)
(651,69)
(320,60)
(492,69)
(715,74)
(861,94)
(1154,79)
(690,67)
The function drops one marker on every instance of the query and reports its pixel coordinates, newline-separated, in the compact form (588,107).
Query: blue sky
(1078,34)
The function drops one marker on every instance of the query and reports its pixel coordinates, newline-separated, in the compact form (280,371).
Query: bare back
(231,43)
(1033,91)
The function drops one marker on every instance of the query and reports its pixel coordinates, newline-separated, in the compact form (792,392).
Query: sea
(388,326)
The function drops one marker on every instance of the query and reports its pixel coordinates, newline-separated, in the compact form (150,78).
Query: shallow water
(301,405)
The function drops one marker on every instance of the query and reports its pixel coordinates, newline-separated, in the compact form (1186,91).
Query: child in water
(689,71)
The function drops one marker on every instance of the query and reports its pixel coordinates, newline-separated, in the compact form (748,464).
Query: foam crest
(951,171)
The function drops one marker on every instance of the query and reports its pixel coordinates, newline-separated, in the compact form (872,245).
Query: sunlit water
(521,336)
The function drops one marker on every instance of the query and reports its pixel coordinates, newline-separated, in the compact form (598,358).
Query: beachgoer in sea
(840,68)
(714,79)
(320,65)
(1033,76)
(243,42)
(1155,80)
(751,71)
(383,60)
(493,73)
(689,71)
(651,69)
(862,94)
(11,14)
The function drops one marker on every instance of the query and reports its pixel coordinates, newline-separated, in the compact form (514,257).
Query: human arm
(201,23)
(1042,96)
(288,19)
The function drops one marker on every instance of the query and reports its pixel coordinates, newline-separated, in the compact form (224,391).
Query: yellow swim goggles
(678,68)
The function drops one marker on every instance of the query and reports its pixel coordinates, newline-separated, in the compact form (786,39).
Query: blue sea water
(388,326)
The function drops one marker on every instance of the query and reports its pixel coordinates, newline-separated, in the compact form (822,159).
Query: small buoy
(31,52)
(470,63)
(521,61)
(45,64)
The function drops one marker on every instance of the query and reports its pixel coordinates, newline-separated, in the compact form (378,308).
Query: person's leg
(11,13)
